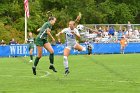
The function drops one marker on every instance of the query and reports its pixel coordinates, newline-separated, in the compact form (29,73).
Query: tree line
(93,12)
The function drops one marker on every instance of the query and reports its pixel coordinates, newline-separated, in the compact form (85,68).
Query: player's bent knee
(65,57)
(83,49)
(51,52)
(39,56)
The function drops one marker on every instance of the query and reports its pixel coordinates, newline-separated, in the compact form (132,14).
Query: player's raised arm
(63,31)
(78,18)
(58,34)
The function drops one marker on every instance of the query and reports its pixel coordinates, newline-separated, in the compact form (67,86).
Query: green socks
(36,61)
(31,57)
(51,57)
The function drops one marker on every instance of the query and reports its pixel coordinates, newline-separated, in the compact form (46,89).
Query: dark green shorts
(40,42)
(31,47)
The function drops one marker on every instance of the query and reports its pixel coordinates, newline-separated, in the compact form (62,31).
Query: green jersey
(42,34)
(30,41)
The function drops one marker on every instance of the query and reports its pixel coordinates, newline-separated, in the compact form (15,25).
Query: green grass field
(88,74)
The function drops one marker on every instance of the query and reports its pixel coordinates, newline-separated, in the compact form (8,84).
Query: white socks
(66,62)
(65,59)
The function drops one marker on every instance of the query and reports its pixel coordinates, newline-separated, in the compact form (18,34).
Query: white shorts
(71,45)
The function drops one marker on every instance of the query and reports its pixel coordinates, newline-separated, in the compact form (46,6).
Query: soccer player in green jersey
(41,41)
(30,41)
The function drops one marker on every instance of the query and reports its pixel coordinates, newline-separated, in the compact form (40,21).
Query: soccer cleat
(52,68)
(34,70)
(67,72)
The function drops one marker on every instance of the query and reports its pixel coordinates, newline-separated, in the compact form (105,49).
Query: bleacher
(99,33)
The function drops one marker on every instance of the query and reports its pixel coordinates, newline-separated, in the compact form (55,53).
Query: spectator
(12,42)
(17,42)
(105,33)
(120,34)
(136,32)
(89,48)
(100,29)
(129,34)
(2,43)
(58,41)
(110,39)
(111,31)
(129,28)
(116,35)
(98,39)
(124,31)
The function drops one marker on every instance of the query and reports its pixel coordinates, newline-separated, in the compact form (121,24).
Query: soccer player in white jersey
(71,33)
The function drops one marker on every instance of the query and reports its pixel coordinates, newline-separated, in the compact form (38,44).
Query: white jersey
(70,38)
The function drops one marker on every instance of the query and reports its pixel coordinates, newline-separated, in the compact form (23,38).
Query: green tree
(93,11)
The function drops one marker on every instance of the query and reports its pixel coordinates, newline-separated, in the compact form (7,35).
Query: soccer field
(88,74)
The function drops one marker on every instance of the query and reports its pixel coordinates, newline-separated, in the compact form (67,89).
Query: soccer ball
(80,27)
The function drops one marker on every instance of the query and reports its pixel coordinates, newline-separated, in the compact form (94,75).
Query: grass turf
(88,74)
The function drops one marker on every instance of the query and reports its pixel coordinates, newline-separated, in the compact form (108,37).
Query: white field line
(47,73)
